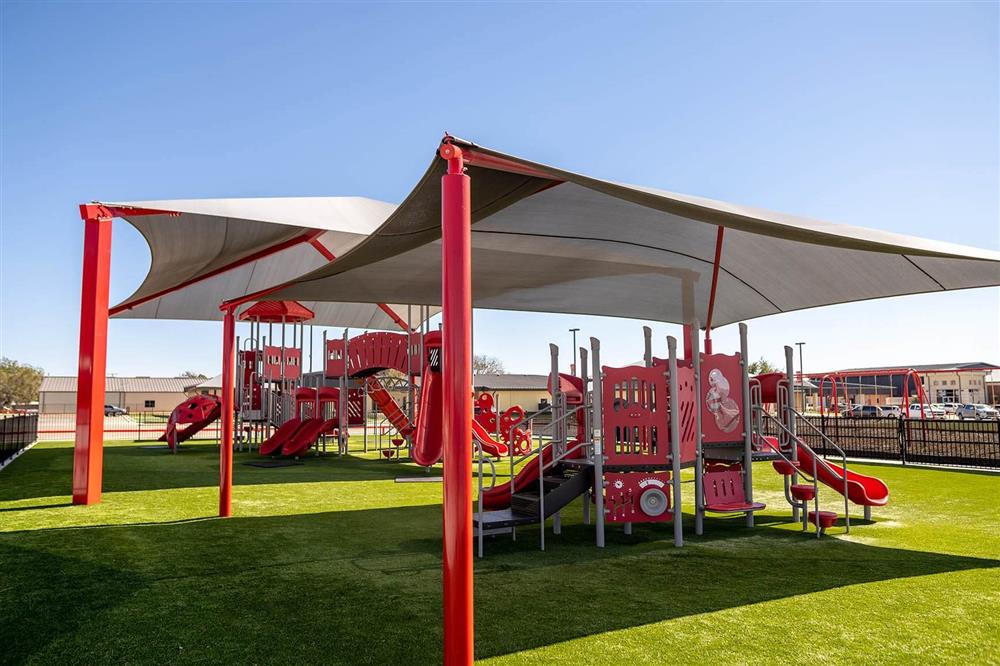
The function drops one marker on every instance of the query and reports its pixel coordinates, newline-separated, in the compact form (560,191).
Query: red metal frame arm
(715,285)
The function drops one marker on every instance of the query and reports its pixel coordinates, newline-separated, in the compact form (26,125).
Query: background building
(942,382)
(529,391)
(57,395)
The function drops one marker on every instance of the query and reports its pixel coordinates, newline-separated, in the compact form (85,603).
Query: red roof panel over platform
(276,312)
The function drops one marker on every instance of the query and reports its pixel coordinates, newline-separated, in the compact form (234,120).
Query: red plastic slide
(490,445)
(861,489)
(198,412)
(307,433)
(426,449)
(273,444)
(388,406)
(498,497)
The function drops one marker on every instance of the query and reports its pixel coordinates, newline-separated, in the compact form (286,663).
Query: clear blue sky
(881,115)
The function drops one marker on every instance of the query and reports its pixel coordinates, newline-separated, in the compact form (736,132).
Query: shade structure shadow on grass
(363,586)
(129,467)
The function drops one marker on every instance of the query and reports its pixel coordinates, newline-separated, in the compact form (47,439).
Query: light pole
(576,352)
(802,376)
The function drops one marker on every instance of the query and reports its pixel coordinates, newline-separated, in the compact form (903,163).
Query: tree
(19,382)
(761,367)
(191,374)
(487,365)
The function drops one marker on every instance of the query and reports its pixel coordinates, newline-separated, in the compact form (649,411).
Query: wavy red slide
(490,445)
(861,489)
(273,444)
(308,432)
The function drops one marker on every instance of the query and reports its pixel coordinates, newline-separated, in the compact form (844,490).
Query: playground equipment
(197,413)
(638,426)
(210,258)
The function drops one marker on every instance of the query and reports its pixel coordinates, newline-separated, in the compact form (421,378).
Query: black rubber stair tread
(502,518)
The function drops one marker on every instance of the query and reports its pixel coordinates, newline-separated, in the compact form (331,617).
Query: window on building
(149,404)
(953,382)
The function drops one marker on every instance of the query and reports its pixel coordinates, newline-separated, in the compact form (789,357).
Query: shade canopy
(205,251)
(549,240)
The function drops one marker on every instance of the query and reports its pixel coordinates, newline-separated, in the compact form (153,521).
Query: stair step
(803,492)
(786,467)
(826,518)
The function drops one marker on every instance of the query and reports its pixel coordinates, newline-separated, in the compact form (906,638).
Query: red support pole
(689,334)
(88,452)
(456,376)
(228,391)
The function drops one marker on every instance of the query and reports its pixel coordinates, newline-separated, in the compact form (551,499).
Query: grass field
(334,562)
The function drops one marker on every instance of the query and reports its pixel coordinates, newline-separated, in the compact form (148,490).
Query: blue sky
(881,115)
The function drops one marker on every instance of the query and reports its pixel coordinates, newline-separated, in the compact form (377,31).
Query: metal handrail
(843,457)
(816,460)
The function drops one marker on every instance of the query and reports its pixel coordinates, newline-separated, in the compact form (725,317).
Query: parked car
(864,412)
(894,411)
(111,410)
(929,411)
(977,412)
(949,407)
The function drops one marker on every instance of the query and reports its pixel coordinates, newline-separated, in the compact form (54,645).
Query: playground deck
(332,561)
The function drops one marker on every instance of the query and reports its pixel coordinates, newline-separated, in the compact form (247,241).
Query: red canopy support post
(456,376)
(228,393)
(88,451)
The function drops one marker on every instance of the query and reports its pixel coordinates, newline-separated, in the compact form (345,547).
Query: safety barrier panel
(926,441)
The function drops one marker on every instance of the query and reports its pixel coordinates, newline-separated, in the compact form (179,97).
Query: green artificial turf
(334,562)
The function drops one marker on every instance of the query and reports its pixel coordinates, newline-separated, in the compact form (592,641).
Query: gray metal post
(342,402)
(790,375)
(699,453)
(647,356)
(675,438)
(747,427)
(598,439)
(558,441)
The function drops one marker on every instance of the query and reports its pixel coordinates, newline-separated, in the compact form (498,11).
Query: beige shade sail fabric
(549,240)
(206,251)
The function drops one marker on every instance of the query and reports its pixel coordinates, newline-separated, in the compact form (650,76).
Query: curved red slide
(307,433)
(498,497)
(861,489)
(426,449)
(490,445)
(272,445)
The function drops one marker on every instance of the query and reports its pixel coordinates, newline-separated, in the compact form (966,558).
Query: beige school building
(57,395)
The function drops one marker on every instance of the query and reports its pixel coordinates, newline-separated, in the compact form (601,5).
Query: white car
(949,407)
(977,412)
(895,411)
(929,411)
